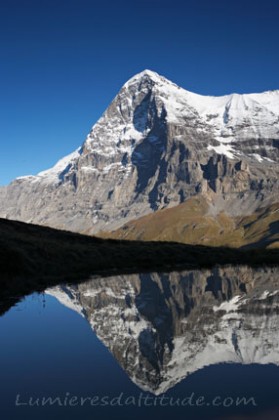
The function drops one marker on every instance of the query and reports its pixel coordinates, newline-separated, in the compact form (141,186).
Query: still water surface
(188,345)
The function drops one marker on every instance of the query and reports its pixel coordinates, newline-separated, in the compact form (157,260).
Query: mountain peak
(146,74)
(156,146)
(149,73)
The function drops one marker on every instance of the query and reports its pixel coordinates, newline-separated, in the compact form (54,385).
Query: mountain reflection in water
(163,327)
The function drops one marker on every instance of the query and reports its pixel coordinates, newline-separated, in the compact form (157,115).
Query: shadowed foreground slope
(33,258)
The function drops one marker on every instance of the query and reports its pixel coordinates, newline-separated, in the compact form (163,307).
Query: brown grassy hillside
(189,223)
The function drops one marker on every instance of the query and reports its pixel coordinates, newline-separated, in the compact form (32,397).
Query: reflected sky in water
(210,333)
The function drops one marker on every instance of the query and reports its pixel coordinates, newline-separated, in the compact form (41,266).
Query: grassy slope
(188,223)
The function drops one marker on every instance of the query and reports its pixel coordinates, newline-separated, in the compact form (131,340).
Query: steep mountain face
(163,327)
(154,147)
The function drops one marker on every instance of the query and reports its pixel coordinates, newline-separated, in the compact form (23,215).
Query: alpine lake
(196,344)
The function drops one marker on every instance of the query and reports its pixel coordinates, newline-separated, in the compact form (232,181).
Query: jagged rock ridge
(155,146)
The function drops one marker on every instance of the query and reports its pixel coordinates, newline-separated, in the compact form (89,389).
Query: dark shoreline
(33,258)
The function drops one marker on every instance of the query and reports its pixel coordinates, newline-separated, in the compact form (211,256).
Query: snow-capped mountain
(163,327)
(155,146)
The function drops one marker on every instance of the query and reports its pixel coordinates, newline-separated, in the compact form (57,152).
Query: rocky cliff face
(163,327)
(155,146)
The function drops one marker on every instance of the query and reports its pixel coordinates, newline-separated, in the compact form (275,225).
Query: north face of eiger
(156,146)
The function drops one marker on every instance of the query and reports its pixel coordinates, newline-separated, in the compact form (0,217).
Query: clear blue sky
(62,62)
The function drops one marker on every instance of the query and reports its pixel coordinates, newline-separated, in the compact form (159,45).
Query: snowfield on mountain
(156,146)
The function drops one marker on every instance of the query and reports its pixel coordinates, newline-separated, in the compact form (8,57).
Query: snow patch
(52,174)
(223,149)
(228,306)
